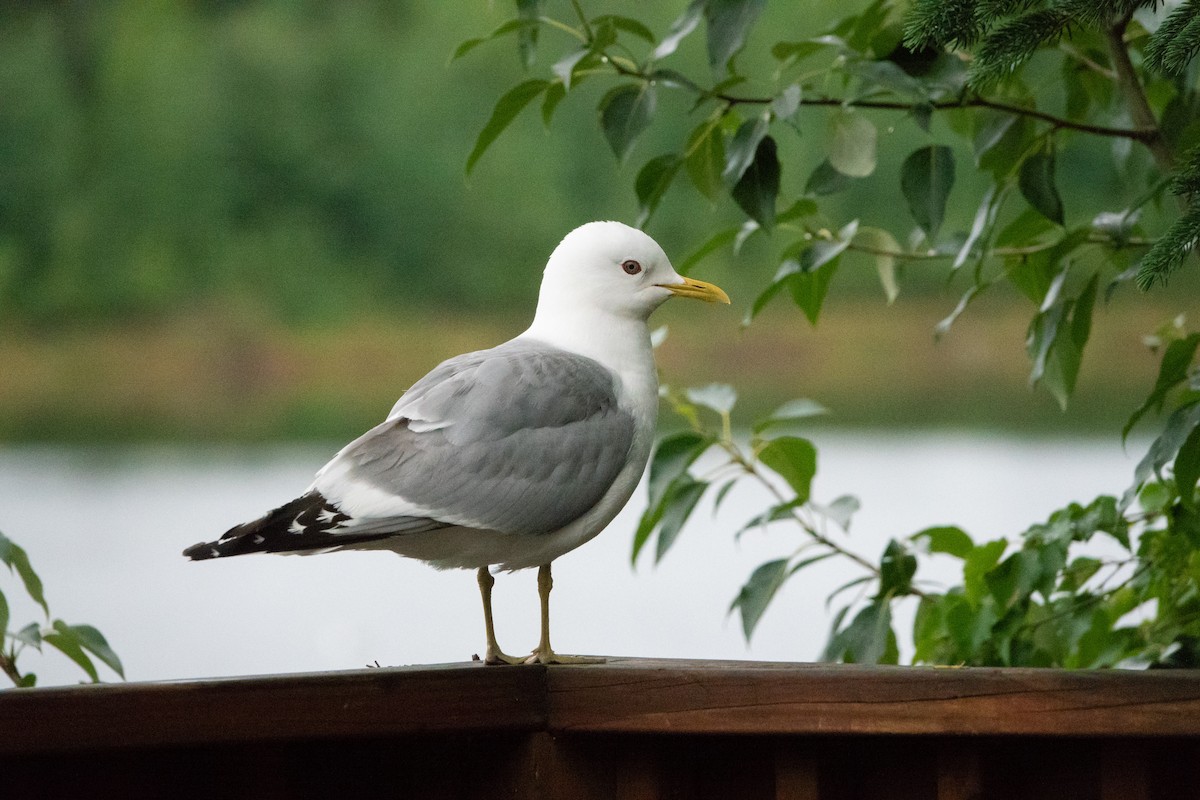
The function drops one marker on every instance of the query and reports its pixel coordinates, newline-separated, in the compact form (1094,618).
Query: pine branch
(1169,252)
(1100,13)
(942,23)
(1012,43)
(1181,238)
(1187,180)
(1177,40)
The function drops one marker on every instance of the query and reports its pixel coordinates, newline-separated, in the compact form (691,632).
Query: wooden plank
(622,696)
(405,700)
(741,697)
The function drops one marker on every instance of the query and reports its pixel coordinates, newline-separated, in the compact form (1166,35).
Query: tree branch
(1147,134)
(1135,96)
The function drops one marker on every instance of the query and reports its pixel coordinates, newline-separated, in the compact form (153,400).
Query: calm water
(105,530)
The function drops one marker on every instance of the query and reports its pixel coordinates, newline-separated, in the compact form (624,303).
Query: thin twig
(1146,135)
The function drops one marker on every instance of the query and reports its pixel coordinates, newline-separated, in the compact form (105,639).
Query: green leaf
(1154,498)
(969,625)
(705,160)
(507,27)
(743,148)
(946,539)
(683,25)
(786,105)
(926,178)
(850,143)
(652,182)
(803,207)
(943,327)
(722,492)
(990,130)
(527,36)
(1068,352)
(755,193)
(758,592)
(985,218)
(94,642)
(1187,470)
(1014,578)
(826,180)
(729,22)
(896,570)
(841,511)
(31,635)
(1002,155)
(680,506)
(506,110)
(978,562)
(791,411)
(881,246)
(719,397)
(3,619)
(807,270)
(776,513)
(868,639)
(1163,450)
(554,95)
(627,24)
(625,112)
(1058,335)
(890,77)
(674,454)
(1078,572)
(928,629)
(1172,371)
(1036,182)
(16,559)
(795,460)
(66,640)
(809,288)
(565,67)
(1033,275)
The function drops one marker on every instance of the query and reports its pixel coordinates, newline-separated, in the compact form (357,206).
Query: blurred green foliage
(298,157)
(306,158)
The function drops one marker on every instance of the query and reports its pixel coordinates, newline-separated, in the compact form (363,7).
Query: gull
(510,457)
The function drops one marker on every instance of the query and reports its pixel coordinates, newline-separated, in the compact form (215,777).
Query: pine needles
(1177,40)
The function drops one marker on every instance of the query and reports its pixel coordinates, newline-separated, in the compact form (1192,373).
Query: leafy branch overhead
(1000,105)
(941,57)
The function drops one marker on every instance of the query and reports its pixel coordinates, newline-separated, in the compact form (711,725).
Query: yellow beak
(700,290)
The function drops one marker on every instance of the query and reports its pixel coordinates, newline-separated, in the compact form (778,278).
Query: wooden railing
(623,729)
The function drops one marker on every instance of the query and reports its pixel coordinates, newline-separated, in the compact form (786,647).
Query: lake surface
(105,528)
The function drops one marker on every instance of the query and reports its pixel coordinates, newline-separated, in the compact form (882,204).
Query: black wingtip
(202,551)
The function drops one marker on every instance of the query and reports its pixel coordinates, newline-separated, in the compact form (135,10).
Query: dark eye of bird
(631,267)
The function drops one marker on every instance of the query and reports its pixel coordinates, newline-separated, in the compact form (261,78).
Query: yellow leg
(544,654)
(493,654)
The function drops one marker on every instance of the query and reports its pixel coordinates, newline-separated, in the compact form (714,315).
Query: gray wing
(522,438)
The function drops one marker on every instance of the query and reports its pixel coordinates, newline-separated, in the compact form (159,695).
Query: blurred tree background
(241,218)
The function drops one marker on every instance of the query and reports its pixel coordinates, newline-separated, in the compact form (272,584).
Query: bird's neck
(622,344)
